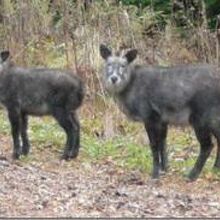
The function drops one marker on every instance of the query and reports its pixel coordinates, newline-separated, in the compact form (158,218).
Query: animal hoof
(65,157)
(68,157)
(155,176)
(15,156)
(25,151)
(74,154)
(191,177)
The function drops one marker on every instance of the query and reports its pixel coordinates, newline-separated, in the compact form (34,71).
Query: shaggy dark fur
(160,96)
(40,92)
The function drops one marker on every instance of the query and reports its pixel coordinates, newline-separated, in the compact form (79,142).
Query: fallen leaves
(79,189)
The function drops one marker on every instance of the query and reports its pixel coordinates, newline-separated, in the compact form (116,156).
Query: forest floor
(41,185)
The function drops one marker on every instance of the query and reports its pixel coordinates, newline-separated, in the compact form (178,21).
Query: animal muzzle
(114,79)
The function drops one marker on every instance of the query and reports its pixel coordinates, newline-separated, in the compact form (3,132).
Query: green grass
(125,151)
(120,150)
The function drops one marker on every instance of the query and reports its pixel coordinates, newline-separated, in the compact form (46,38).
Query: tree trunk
(1,12)
(218,39)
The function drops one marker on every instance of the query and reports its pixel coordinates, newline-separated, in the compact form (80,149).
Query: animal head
(117,73)
(4,55)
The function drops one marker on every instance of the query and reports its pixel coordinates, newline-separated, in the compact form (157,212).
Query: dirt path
(47,187)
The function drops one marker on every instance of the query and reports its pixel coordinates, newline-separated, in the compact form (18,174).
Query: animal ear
(4,55)
(105,52)
(131,55)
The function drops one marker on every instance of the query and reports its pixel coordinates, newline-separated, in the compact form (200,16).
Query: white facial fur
(116,74)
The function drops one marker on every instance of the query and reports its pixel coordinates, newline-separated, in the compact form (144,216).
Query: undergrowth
(64,34)
(128,151)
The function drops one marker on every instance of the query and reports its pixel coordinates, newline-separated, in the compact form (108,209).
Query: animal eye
(109,66)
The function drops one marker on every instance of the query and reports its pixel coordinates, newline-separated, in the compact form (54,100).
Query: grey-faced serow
(159,96)
(40,91)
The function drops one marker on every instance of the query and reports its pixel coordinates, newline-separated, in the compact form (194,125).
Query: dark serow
(160,96)
(39,92)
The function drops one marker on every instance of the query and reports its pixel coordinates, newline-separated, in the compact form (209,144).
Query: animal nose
(114,79)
